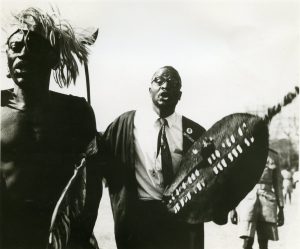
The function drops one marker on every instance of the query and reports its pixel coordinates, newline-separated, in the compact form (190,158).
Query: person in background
(288,184)
(141,153)
(261,211)
(296,178)
(44,136)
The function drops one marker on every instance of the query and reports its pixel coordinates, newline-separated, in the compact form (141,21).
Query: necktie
(166,159)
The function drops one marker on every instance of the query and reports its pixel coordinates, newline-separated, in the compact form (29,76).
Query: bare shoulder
(69,105)
(65,99)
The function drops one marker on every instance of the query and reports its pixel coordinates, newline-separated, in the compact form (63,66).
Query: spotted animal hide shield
(220,168)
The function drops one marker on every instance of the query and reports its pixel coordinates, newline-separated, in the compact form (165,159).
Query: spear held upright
(86,68)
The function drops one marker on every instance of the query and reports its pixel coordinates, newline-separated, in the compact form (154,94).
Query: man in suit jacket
(134,165)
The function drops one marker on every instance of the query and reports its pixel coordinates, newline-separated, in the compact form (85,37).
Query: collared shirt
(148,168)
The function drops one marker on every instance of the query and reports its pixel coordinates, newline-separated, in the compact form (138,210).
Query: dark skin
(165,91)
(23,120)
(41,139)
(30,64)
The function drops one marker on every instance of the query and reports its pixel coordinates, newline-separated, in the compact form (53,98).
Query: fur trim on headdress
(71,45)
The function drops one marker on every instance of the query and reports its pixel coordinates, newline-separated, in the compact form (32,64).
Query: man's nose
(165,84)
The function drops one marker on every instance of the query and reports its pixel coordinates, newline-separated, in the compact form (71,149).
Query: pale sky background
(233,56)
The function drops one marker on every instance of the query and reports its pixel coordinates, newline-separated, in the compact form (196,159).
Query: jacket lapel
(188,134)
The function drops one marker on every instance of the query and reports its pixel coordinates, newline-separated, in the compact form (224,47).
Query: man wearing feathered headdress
(47,139)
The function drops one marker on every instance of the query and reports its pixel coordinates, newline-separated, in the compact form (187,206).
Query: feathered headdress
(70,44)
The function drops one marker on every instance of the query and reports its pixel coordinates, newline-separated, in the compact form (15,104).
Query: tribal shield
(221,167)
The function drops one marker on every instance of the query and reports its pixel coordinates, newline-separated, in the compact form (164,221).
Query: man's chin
(21,81)
(163,103)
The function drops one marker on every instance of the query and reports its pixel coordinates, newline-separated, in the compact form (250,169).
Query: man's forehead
(18,35)
(19,32)
(23,35)
(166,73)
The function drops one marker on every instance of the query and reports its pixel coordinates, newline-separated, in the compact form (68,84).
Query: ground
(216,237)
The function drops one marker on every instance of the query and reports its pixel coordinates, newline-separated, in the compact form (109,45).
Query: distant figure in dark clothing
(261,211)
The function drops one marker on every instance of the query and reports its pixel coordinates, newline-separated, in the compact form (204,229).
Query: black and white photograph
(150,124)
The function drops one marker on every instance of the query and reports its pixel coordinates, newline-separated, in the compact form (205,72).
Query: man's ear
(8,73)
(179,95)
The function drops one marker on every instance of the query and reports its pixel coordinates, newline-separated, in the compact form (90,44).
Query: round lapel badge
(189,131)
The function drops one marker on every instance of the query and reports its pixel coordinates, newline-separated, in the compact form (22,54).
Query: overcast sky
(233,56)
